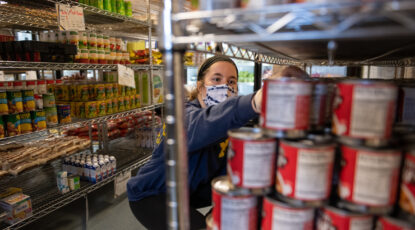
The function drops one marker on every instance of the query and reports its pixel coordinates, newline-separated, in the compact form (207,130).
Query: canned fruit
(251,158)
(108,91)
(127,103)
(51,116)
(28,100)
(99,92)
(369,177)
(102,108)
(305,170)
(38,120)
(121,105)
(48,100)
(364,109)
(80,110)
(82,92)
(4,108)
(115,105)
(91,109)
(13,125)
(64,114)
(407,195)
(333,218)
(25,123)
(2,130)
(109,106)
(15,101)
(286,105)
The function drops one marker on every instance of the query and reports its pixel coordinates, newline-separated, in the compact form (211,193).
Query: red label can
(330,218)
(407,196)
(286,104)
(251,158)
(369,177)
(278,215)
(364,109)
(388,223)
(233,208)
(319,103)
(305,170)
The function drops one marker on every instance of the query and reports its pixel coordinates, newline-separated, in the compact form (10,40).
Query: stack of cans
(302,171)
(90,167)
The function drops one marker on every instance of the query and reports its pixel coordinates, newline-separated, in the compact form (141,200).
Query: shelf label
(2,76)
(31,75)
(126,76)
(120,183)
(70,17)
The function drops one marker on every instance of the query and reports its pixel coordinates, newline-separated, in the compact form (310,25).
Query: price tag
(70,17)
(126,76)
(120,183)
(2,76)
(31,75)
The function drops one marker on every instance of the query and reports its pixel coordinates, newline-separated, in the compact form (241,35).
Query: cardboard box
(17,206)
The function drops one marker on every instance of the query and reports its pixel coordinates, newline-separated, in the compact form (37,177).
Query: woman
(213,109)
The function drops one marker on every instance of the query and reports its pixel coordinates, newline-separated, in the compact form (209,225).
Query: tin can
(285,107)
(279,215)
(74,183)
(251,159)
(121,105)
(38,120)
(15,101)
(333,218)
(49,100)
(233,208)
(132,102)
(73,108)
(127,104)
(2,129)
(64,114)
(48,88)
(389,223)
(80,109)
(4,108)
(91,109)
(406,103)
(364,110)
(305,171)
(318,105)
(28,100)
(51,116)
(137,101)
(25,123)
(109,107)
(368,178)
(115,89)
(115,105)
(65,93)
(100,92)
(108,91)
(13,125)
(407,194)
(102,108)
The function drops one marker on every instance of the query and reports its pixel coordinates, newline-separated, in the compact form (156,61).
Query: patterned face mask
(216,94)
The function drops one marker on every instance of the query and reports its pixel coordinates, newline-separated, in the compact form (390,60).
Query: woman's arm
(208,125)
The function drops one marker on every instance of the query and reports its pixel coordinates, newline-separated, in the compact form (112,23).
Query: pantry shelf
(69,66)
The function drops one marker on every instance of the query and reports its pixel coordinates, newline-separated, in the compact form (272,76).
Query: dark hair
(204,68)
(293,71)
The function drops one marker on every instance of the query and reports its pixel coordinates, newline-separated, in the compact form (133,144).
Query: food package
(62,182)
(17,206)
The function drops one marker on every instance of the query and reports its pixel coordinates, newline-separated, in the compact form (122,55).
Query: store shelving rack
(263,29)
(46,198)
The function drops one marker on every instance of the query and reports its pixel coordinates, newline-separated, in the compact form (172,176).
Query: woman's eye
(217,79)
(232,82)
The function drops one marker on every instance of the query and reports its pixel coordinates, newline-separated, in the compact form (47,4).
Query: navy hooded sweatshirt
(207,143)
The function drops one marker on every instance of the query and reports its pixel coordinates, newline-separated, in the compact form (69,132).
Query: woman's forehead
(224,68)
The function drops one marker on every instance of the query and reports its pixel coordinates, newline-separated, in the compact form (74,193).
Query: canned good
(2,130)
(15,101)
(48,100)
(233,208)
(364,110)
(406,103)
(279,215)
(28,100)
(38,120)
(99,90)
(25,123)
(73,109)
(115,89)
(108,91)
(51,116)
(389,223)
(82,92)
(39,101)
(286,107)
(251,159)
(334,218)
(108,106)
(121,105)
(127,103)
(368,179)
(48,88)
(318,105)
(4,108)
(115,105)
(74,183)
(80,109)
(407,195)
(92,41)
(102,108)
(64,114)
(19,85)
(91,109)
(132,102)
(31,85)
(305,170)
(13,125)
(137,101)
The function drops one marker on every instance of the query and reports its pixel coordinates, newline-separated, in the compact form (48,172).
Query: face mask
(216,94)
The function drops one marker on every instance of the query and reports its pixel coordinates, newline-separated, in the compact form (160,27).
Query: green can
(38,120)
(51,116)
(107,5)
(13,125)
(120,7)
(114,6)
(128,9)
(100,4)
(48,100)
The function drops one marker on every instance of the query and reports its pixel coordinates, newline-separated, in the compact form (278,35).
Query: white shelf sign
(126,76)
(120,183)
(70,17)
(31,75)
(2,76)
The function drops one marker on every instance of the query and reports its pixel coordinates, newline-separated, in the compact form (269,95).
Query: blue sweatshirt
(207,143)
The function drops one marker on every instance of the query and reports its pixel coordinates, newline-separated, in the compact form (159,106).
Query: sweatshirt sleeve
(208,125)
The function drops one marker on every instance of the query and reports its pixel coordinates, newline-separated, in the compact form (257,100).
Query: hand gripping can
(368,179)
(305,170)
(285,110)
(364,111)
(279,215)
(407,194)
(330,218)
(389,223)
(233,208)
(251,159)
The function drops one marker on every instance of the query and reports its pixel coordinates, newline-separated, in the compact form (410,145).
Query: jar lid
(41,82)
(9,83)
(17,83)
(50,82)
(30,82)
(58,81)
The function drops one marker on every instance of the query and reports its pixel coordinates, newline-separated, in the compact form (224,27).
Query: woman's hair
(293,71)
(204,68)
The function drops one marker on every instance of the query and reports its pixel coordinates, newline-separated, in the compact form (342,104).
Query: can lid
(367,82)
(224,186)
(277,201)
(344,212)
(246,133)
(312,141)
(383,149)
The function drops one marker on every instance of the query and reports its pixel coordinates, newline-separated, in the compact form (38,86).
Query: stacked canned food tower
(345,180)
